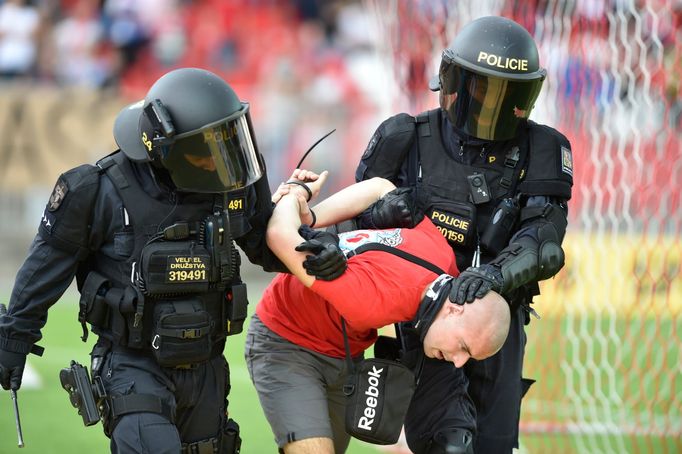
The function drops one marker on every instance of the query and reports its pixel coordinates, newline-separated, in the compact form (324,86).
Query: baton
(13,393)
(20,437)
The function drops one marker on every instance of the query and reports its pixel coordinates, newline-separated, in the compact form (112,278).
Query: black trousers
(196,396)
(483,397)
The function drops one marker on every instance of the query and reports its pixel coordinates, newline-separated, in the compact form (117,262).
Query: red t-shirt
(377,289)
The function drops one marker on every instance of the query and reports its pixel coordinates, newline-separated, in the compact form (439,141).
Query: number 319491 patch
(181,269)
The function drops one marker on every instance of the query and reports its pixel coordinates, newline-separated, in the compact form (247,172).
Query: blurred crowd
(97,43)
(302,64)
(307,66)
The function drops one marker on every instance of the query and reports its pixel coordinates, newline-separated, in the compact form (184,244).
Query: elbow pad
(551,256)
(528,259)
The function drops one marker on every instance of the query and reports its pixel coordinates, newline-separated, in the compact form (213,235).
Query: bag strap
(349,387)
(346,346)
(399,252)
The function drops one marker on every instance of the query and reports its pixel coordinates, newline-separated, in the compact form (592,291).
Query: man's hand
(398,208)
(311,179)
(11,369)
(476,282)
(328,261)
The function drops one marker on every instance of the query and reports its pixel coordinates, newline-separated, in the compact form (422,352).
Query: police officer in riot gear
(497,186)
(149,233)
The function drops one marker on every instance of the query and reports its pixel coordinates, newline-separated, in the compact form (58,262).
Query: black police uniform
(99,226)
(149,233)
(466,180)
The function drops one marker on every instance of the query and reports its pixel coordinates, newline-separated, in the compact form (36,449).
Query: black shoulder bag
(378,391)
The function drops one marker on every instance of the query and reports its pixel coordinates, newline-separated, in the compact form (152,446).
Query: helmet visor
(219,157)
(485,106)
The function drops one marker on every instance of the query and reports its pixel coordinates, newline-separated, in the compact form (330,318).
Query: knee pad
(455,441)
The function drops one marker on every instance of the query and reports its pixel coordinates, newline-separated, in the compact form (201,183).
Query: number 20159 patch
(180,269)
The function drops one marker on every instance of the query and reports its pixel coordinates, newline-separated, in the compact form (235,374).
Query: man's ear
(453,308)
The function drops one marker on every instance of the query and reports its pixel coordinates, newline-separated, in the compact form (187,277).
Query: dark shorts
(301,391)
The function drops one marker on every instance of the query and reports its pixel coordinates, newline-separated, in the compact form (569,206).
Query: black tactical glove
(398,208)
(328,261)
(11,369)
(476,282)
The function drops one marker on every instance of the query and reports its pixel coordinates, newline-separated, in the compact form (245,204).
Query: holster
(106,307)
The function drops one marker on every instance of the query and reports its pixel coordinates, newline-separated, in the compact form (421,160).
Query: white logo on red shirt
(349,241)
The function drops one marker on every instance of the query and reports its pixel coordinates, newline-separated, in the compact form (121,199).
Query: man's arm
(327,263)
(351,201)
(282,234)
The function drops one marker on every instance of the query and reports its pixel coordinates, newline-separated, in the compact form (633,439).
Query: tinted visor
(219,157)
(486,107)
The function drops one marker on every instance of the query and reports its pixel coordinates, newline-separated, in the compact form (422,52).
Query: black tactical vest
(454,187)
(172,287)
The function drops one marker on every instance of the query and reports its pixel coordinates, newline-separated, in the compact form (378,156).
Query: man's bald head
(475,330)
(491,317)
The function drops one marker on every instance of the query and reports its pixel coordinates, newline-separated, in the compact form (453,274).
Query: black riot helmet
(489,78)
(192,124)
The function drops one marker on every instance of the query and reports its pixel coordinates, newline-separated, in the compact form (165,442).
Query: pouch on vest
(181,333)
(174,267)
(378,394)
(236,306)
(455,220)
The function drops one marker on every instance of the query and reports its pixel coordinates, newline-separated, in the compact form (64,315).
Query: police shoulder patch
(372,145)
(58,194)
(48,220)
(566,161)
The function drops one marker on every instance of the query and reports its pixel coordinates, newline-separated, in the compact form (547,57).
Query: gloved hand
(398,208)
(328,261)
(11,369)
(476,282)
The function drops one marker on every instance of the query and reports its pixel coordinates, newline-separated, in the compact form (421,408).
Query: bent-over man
(294,346)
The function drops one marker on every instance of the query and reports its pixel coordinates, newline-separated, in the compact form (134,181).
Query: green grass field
(51,425)
(572,386)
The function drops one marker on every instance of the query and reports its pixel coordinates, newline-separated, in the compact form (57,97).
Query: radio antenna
(298,166)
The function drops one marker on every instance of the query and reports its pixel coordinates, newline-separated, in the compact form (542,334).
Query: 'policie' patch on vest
(566,161)
(181,269)
(58,194)
(372,145)
(455,227)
